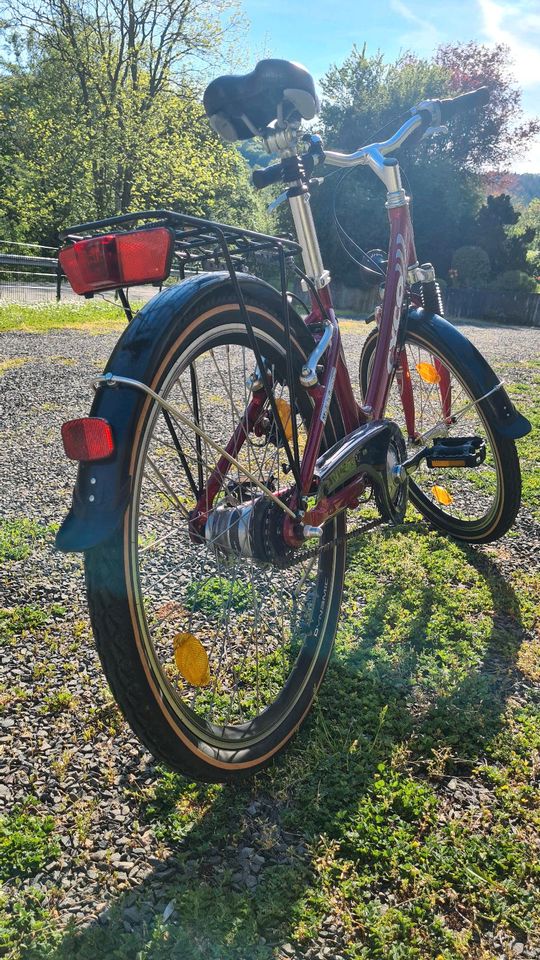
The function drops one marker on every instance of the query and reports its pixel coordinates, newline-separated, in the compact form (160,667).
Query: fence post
(58,281)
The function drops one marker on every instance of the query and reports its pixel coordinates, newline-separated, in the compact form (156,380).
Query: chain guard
(375,449)
(391,493)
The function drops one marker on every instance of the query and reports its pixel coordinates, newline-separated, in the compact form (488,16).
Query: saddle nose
(240,107)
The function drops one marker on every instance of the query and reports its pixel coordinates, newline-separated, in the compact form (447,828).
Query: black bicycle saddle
(240,106)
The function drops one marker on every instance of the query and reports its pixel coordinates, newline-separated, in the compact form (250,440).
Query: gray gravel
(82,763)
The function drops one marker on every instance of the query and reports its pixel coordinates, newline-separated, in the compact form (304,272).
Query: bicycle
(225,446)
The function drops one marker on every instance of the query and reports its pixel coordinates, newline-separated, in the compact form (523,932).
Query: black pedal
(456,452)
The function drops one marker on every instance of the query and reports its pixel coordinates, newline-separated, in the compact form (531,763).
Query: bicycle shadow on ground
(380,697)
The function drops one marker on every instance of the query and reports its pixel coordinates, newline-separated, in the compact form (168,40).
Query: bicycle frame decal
(400,254)
(328,396)
(401,269)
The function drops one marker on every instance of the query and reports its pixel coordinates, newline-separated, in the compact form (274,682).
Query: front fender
(462,353)
(102,489)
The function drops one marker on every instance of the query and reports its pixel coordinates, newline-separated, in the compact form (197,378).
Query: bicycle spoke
(245,617)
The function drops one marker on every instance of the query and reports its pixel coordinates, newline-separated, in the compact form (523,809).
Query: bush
(515,280)
(472,267)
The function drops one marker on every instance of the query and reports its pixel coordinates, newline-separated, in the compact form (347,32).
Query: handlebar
(428,115)
(263,178)
(466,101)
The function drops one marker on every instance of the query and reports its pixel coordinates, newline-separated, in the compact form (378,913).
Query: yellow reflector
(191,659)
(428,372)
(284,411)
(442,496)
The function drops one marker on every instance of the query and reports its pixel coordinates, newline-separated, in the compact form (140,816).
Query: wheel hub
(253,529)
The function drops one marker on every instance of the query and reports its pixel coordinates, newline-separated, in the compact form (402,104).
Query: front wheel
(428,392)
(214,658)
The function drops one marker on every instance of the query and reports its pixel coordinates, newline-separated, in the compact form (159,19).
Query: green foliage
(18,535)
(406,805)
(100,116)
(18,621)
(23,921)
(492,229)
(59,702)
(217,594)
(515,280)
(472,267)
(26,844)
(528,228)
(525,396)
(364,99)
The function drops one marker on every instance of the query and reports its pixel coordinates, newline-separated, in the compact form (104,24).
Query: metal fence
(29,273)
(501,306)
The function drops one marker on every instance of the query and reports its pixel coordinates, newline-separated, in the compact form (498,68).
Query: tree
(528,227)
(506,250)
(471,266)
(515,281)
(498,134)
(120,57)
(366,97)
(101,113)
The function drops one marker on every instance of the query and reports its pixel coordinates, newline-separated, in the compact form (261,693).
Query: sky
(321,32)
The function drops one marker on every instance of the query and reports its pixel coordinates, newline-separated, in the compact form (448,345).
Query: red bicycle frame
(336,381)
(389,360)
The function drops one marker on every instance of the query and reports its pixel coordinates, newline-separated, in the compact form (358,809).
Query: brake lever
(277,201)
(434,131)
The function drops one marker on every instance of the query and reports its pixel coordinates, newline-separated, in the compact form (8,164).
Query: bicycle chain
(285,563)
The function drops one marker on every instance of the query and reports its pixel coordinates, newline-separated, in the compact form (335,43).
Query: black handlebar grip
(263,178)
(467,101)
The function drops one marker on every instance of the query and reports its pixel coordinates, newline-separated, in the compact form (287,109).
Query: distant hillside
(254,153)
(527,187)
(522,187)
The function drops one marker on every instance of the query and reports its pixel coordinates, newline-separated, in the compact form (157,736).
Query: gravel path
(80,760)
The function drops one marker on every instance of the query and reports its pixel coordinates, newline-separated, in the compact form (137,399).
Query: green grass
(26,842)
(216,595)
(17,622)
(93,317)
(12,364)
(418,705)
(526,397)
(61,701)
(18,535)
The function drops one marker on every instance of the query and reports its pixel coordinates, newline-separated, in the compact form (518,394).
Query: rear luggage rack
(204,244)
(197,242)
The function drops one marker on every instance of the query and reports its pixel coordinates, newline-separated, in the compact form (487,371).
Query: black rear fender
(103,489)
(461,352)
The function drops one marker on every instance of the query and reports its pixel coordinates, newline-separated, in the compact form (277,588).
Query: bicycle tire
(160,718)
(500,516)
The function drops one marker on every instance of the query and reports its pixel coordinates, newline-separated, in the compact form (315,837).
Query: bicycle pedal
(456,452)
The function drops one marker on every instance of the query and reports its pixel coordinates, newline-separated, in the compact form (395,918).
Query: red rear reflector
(89,438)
(118,260)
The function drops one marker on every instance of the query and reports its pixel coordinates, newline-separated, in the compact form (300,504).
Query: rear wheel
(214,658)
(477,504)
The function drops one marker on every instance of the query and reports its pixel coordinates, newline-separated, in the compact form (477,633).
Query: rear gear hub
(253,529)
